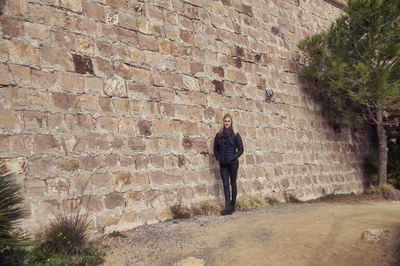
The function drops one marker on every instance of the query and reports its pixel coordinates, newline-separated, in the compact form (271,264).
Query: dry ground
(314,233)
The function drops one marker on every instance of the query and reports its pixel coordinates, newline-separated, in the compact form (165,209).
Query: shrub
(115,234)
(11,212)
(207,208)
(67,234)
(249,203)
(180,212)
(272,201)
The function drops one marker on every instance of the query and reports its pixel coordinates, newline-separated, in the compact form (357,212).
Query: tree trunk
(383,149)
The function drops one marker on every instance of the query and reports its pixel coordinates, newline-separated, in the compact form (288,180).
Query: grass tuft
(208,207)
(180,211)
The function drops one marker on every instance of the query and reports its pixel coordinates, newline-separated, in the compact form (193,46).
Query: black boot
(232,206)
(227,210)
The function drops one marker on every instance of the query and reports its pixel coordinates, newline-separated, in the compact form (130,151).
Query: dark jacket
(227,149)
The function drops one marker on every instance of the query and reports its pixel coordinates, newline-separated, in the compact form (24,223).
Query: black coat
(227,149)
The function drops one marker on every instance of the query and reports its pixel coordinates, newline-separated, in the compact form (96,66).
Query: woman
(228,146)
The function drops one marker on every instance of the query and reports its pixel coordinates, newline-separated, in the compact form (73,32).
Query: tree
(354,68)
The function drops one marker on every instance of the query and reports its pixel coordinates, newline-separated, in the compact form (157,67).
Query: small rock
(190,261)
(392,195)
(373,235)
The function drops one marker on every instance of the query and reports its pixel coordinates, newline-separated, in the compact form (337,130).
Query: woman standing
(228,146)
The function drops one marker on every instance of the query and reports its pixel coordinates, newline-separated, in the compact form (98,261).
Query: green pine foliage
(353,69)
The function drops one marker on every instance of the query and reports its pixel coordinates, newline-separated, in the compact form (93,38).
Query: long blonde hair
(227,115)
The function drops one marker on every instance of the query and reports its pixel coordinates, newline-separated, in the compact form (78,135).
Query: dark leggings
(229,170)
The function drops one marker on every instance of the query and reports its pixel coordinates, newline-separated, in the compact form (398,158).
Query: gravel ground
(287,234)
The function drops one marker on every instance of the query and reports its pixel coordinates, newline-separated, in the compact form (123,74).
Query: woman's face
(227,122)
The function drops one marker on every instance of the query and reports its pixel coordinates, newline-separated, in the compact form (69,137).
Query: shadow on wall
(214,171)
(2,6)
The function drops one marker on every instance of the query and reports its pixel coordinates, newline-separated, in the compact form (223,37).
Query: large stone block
(114,200)
(24,54)
(115,87)
(162,128)
(107,123)
(33,119)
(4,76)
(9,119)
(35,187)
(92,203)
(122,179)
(73,5)
(147,42)
(45,142)
(11,26)
(89,163)
(57,185)
(136,144)
(21,74)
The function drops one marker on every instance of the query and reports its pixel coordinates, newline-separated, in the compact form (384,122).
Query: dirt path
(324,233)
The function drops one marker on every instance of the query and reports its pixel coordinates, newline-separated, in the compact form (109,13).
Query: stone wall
(114,104)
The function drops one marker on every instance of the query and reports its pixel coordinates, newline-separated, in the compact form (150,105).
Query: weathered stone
(115,87)
(107,123)
(187,37)
(129,217)
(114,200)
(94,10)
(82,64)
(161,128)
(11,26)
(4,77)
(167,47)
(103,68)
(190,129)
(102,181)
(136,144)
(65,101)
(122,179)
(45,142)
(21,74)
(92,203)
(219,86)
(85,121)
(9,119)
(59,59)
(141,179)
(105,104)
(13,165)
(187,144)
(73,5)
(147,42)
(42,79)
(190,83)
(35,187)
(121,106)
(144,127)
(141,161)
(57,185)
(67,164)
(71,82)
(89,163)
